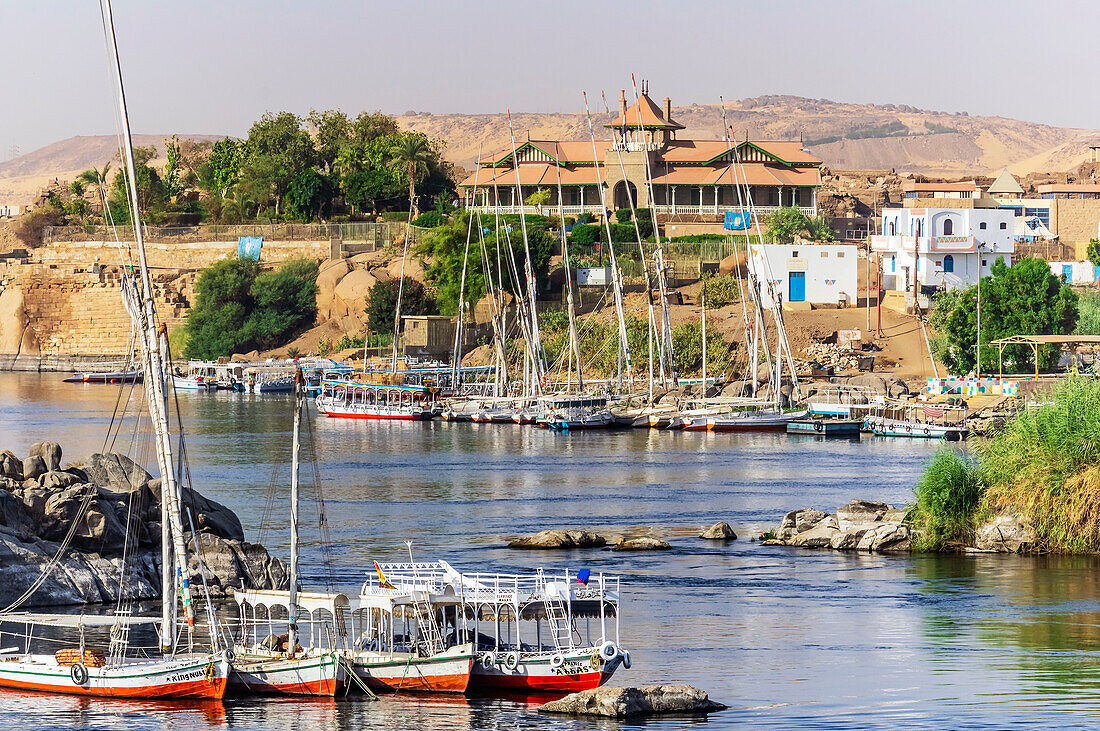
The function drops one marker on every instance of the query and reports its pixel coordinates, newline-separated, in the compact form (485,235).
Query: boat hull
(334,413)
(538,675)
(115,377)
(202,678)
(447,673)
(316,676)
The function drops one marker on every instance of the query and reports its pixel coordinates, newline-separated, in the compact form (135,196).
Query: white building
(952,247)
(806,272)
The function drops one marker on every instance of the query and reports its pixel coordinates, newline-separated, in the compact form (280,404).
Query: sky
(199,66)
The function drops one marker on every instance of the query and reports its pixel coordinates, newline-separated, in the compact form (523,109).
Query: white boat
(193,383)
(919,420)
(342,399)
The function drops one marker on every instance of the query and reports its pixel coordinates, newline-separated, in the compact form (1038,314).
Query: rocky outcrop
(1006,534)
(720,531)
(861,525)
(104,506)
(644,543)
(559,539)
(624,702)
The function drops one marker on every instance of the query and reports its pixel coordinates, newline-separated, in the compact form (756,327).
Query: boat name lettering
(189,675)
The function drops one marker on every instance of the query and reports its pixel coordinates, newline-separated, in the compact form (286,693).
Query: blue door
(1067,272)
(796,287)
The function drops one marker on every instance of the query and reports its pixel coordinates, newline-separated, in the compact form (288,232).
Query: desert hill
(23,176)
(845,136)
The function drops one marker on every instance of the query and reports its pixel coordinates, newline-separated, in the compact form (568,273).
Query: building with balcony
(692,180)
(942,247)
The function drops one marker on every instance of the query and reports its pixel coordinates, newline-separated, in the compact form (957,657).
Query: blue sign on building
(738,221)
(248,247)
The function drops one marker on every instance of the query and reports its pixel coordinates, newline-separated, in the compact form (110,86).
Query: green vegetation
(788,222)
(1093,252)
(429,219)
(1026,299)
(687,346)
(382,303)
(1088,313)
(445,248)
(239,307)
(872,131)
(939,129)
(1044,464)
(539,198)
(721,290)
(948,497)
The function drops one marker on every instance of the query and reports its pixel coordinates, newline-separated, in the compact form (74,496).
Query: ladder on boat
(427,628)
(556,617)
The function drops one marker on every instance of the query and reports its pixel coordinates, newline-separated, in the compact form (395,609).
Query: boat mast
(574,338)
(456,362)
(292,599)
(173,549)
(703,301)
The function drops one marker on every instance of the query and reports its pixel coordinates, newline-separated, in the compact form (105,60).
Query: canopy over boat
(76,620)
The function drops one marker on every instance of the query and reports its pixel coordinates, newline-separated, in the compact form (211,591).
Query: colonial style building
(693,180)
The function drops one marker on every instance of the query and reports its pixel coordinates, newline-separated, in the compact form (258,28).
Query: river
(785,637)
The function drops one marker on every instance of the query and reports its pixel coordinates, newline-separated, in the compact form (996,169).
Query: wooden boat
(342,399)
(133,375)
(553,661)
(826,427)
(762,420)
(919,420)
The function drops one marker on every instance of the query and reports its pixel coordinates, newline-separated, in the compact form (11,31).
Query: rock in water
(560,539)
(641,544)
(11,466)
(50,452)
(1006,534)
(720,531)
(622,702)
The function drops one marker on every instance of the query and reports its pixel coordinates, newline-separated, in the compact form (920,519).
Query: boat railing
(510,589)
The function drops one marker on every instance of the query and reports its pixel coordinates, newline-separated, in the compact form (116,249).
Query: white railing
(712,210)
(547,210)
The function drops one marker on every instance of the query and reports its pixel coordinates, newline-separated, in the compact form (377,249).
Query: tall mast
(457,359)
(703,300)
(172,542)
(574,338)
(292,600)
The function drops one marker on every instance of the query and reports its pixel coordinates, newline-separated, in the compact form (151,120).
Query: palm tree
(414,154)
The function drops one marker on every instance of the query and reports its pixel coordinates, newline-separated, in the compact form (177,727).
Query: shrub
(643,214)
(31,227)
(293,352)
(584,218)
(382,303)
(623,215)
(429,219)
(395,216)
(350,341)
(585,234)
(1088,313)
(948,497)
(324,346)
(687,347)
(721,289)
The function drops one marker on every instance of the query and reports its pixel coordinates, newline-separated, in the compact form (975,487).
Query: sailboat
(277,664)
(115,673)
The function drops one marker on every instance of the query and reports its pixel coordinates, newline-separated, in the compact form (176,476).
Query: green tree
(223,166)
(787,222)
(539,198)
(1093,252)
(331,130)
(1088,313)
(382,303)
(412,154)
(308,193)
(277,151)
(150,188)
(172,186)
(1026,299)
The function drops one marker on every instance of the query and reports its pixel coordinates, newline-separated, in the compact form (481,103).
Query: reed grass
(949,496)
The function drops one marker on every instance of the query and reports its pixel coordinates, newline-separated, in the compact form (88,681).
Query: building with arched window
(942,247)
(646,162)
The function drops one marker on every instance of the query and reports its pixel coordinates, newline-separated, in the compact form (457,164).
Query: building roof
(968,185)
(1070,188)
(1005,184)
(644,113)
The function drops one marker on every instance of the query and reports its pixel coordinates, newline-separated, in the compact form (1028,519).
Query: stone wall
(65,300)
(1075,220)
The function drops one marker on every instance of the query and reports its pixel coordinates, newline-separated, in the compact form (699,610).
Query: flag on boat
(383,582)
(583,576)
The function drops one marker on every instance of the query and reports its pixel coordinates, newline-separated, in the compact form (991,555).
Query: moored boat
(351,400)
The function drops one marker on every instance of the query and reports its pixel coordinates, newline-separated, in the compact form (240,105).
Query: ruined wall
(64,300)
(1075,220)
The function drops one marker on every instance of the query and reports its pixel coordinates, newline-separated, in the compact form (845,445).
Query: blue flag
(248,247)
(738,220)
(583,576)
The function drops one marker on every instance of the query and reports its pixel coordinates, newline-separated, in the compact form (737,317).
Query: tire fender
(79,673)
(511,660)
(608,651)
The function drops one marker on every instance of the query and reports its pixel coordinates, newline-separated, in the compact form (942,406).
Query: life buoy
(626,659)
(927,431)
(608,651)
(488,659)
(511,660)
(557,660)
(908,427)
(817,426)
(79,673)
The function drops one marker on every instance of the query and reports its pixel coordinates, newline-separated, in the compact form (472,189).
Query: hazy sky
(200,66)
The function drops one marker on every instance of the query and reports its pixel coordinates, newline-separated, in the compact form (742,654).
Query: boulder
(209,516)
(50,452)
(55,480)
(329,275)
(13,321)
(623,702)
(413,269)
(802,520)
(559,539)
(1006,534)
(33,468)
(884,538)
(735,262)
(643,543)
(720,531)
(15,515)
(846,540)
(351,294)
(820,536)
(11,466)
(115,472)
(860,514)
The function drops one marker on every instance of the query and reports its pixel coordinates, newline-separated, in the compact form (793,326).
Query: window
(948,227)
(840,255)
(982,225)
(1004,225)
(1042,213)
(824,255)
(949,263)
(983,262)
(794,253)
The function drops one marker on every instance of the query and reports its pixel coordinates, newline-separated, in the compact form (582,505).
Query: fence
(380,233)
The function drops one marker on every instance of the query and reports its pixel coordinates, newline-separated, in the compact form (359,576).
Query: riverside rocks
(644,701)
(720,531)
(644,543)
(95,502)
(861,525)
(1006,534)
(559,539)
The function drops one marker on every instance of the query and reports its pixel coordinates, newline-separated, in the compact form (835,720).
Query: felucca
(180,671)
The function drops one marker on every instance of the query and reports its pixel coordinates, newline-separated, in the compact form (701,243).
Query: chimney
(668,110)
(622,103)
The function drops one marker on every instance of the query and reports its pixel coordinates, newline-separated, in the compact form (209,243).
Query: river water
(785,637)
